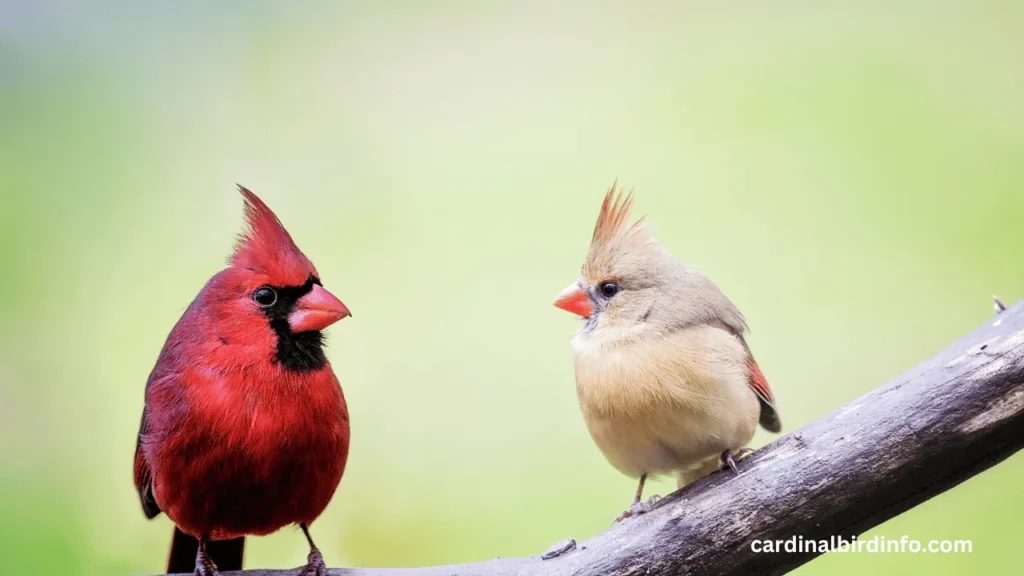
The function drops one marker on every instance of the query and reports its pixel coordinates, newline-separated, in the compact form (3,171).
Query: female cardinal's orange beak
(574,299)
(316,311)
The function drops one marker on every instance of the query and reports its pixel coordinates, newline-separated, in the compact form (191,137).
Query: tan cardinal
(664,376)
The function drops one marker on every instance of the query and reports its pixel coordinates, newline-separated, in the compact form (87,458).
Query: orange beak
(316,311)
(574,299)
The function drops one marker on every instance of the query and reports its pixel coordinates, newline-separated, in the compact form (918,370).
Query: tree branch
(932,428)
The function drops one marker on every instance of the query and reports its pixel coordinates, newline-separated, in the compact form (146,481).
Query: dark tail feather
(226,554)
(770,417)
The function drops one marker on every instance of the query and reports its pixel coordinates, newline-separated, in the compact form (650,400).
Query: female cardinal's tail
(226,554)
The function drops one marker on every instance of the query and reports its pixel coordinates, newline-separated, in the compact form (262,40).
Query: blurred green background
(849,173)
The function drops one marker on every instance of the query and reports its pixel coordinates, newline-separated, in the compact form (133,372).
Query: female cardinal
(245,428)
(664,377)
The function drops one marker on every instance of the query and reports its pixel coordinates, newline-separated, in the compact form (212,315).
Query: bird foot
(314,564)
(638,508)
(205,565)
(728,460)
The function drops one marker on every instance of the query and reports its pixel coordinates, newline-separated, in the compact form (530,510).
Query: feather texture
(614,213)
(664,404)
(267,248)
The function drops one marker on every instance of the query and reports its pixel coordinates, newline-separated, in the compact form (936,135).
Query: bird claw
(205,565)
(728,460)
(315,565)
(638,508)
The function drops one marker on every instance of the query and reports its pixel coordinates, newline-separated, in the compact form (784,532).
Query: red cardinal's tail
(226,554)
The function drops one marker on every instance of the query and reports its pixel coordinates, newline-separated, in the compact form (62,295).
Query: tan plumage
(665,380)
(666,405)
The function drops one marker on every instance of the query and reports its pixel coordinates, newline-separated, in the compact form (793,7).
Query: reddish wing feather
(769,417)
(144,482)
(758,382)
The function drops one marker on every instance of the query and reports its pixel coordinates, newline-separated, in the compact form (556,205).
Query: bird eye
(609,288)
(265,296)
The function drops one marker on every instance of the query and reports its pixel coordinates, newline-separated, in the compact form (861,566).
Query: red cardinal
(245,429)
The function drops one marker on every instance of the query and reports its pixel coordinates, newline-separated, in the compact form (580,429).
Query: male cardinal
(245,428)
(664,377)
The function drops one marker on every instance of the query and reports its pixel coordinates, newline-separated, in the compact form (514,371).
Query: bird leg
(639,507)
(640,490)
(728,460)
(204,564)
(315,561)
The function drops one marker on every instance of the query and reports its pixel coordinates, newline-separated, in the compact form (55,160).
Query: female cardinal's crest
(612,234)
(267,248)
(614,213)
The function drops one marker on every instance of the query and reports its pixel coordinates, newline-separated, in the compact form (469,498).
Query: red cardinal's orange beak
(574,299)
(316,311)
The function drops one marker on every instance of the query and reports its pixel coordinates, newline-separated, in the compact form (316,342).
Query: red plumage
(758,382)
(769,417)
(245,428)
(266,247)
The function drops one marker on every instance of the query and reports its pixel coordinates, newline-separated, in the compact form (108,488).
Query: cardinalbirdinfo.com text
(874,544)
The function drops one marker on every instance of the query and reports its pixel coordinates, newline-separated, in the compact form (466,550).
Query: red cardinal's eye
(265,296)
(609,288)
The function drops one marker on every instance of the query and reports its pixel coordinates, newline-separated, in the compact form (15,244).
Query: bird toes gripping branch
(636,509)
(315,565)
(728,459)
(204,564)
(639,506)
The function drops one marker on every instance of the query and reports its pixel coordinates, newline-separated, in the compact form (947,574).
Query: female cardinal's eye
(265,296)
(609,288)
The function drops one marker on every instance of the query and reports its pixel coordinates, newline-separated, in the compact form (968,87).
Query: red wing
(143,477)
(769,417)
(759,383)
(769,414)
